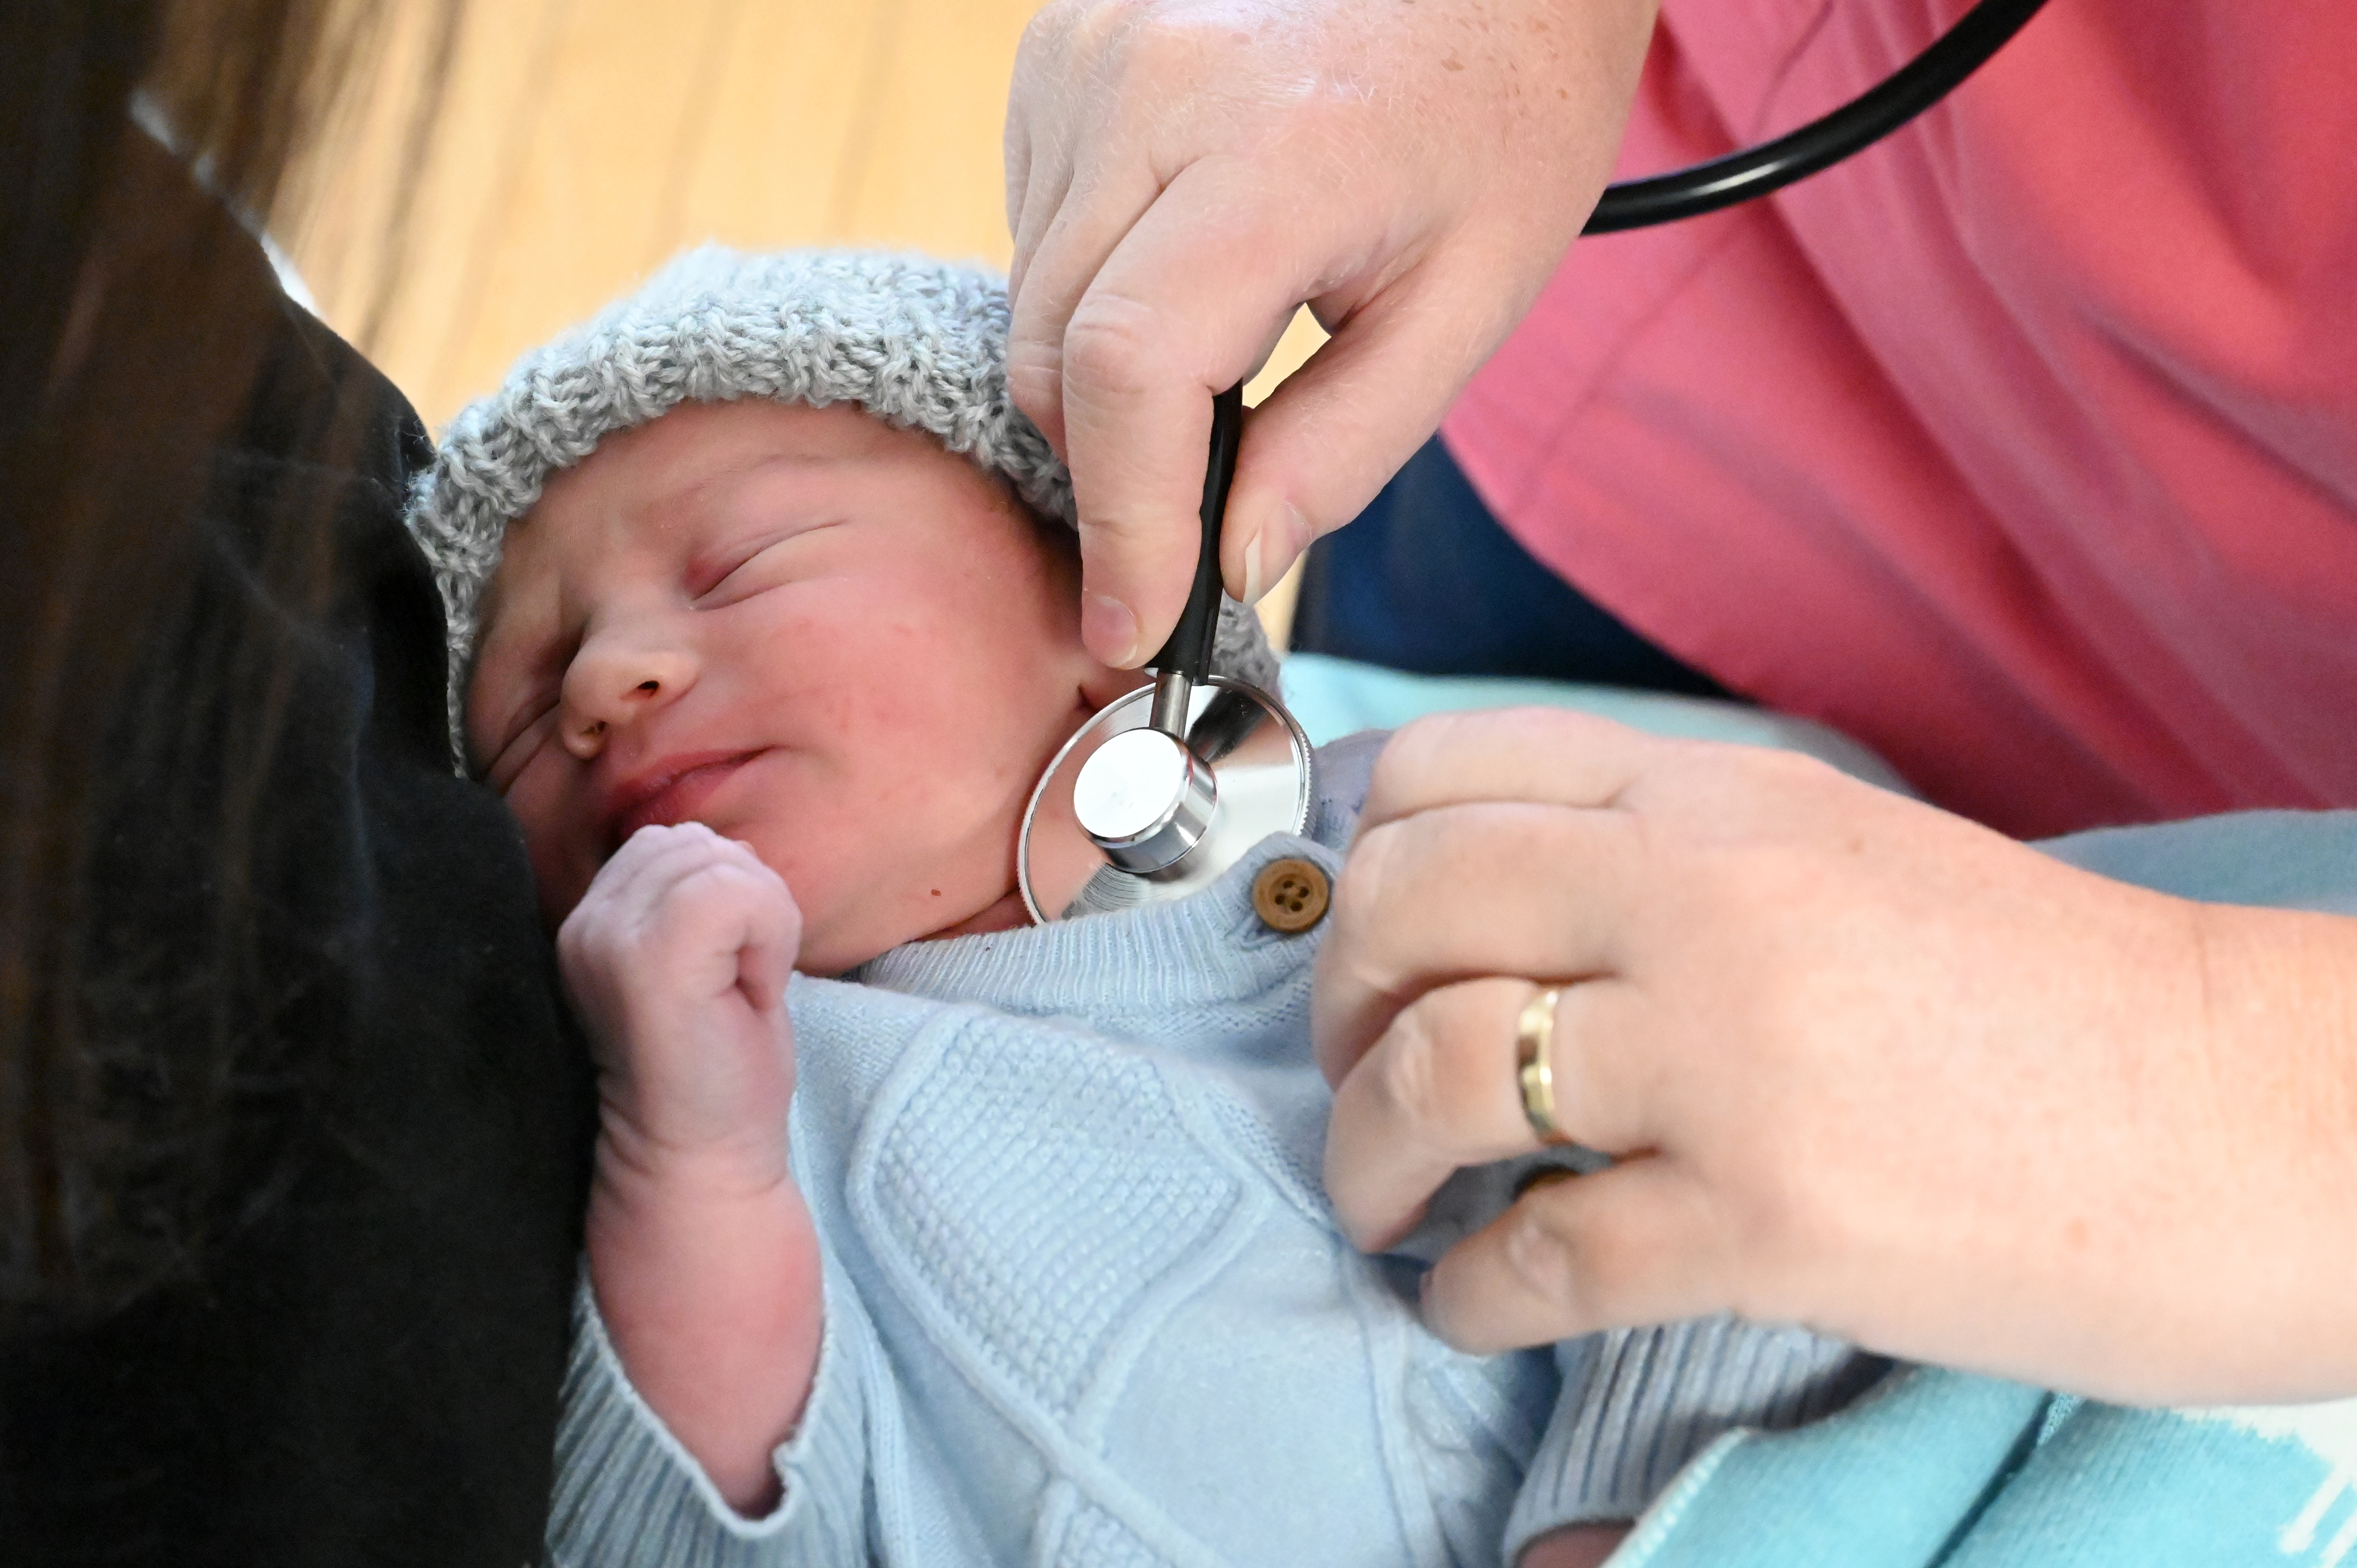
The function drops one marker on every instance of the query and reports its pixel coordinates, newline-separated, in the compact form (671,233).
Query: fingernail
(1273,552)
(1109,630)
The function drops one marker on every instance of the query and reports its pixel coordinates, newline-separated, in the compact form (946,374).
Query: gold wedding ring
(1534,1046)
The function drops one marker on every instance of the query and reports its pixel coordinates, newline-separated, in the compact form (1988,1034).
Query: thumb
(1327,439)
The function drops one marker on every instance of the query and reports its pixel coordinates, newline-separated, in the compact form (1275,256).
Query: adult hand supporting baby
(702,1253)
(1872,1069)
(1183,174)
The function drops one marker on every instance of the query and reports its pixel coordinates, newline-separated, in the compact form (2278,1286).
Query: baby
(1010,1247)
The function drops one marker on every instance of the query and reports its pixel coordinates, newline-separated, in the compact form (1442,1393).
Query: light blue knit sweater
(1085,1304)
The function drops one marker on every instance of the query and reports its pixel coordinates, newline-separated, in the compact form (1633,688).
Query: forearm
(2171,1220)
(2165,1220)
(709,1284)
(2263,1278)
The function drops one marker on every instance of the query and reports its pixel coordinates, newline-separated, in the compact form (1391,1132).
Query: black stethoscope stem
(1145,798)
(1852,128)
(1185,660)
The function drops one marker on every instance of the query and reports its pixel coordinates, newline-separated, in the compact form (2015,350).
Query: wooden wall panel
(929,171)
(774,159)
(582,142)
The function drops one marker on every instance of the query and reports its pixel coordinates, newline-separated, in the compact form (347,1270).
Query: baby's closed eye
(762,563)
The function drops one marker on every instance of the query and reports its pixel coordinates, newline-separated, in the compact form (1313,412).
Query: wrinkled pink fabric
(2023,446)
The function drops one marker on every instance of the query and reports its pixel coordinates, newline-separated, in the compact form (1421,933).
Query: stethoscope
(1171,784)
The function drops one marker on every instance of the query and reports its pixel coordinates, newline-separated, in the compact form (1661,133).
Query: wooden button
(1290,895)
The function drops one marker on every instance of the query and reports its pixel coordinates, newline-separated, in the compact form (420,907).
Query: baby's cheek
(562,878)
(865,890)
(562,865)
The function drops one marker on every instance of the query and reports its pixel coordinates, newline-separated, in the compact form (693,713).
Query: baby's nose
(611,686)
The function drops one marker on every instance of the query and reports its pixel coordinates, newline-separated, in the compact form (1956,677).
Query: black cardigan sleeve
(357,1360)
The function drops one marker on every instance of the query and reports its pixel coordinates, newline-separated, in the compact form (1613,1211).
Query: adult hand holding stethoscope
(1877,1069)
(1181,175)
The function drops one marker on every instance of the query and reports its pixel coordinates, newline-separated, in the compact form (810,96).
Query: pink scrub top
(2022,447)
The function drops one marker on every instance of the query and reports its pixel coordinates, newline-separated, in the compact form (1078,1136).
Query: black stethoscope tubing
(1641,203)
(1852,128)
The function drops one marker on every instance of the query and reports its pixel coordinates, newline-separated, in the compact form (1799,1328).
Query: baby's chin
(1007,914)
(829,953)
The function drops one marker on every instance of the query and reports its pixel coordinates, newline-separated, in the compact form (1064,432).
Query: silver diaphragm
(1127,815)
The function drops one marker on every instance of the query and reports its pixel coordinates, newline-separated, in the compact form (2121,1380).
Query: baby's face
(804,629)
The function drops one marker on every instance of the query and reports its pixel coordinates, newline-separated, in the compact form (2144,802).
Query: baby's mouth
(671,793)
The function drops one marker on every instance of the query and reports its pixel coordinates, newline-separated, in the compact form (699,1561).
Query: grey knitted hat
(916,341)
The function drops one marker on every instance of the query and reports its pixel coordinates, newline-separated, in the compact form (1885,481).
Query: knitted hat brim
(915,341)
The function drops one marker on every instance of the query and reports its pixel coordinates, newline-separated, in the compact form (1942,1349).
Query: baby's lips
(671,792)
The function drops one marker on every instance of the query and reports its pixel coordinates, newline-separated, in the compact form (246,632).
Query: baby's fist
(677,959)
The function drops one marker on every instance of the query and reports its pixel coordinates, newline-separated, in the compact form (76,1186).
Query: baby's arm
(1637,1404)
(1573,1546)
(702,1253)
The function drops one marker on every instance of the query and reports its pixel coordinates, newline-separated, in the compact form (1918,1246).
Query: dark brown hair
(124,364)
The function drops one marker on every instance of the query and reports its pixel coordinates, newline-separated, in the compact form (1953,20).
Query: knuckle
(1137,39)
(1156,51)
(1035,378)
(1575,1253)
(1542,1257)
(1372,946)
(1034,357)
(1126,540)
(1104,27)
(574,941)
(1420,739)
(1115,61)
(1444,1027)
(1112,345)
(1784,769)
(1401,759)
(1052,27)
(1367,875)
(1422,751)
(1405,1079)
(720,880)
(1555,727)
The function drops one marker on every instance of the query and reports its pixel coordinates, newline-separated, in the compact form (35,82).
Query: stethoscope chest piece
(1129,814)
(1169,786)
